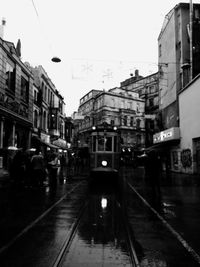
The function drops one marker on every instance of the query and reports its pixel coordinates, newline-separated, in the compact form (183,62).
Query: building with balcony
(147,88)
(117,107)
(48,112)
(16,102)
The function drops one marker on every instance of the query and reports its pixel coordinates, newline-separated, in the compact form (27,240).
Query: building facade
(16,102)
(178,51)
(117,107)
(48,112)
(174,59)
(187,158)
(147,88)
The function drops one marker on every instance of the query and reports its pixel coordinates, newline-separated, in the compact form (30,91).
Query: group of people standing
(35,169)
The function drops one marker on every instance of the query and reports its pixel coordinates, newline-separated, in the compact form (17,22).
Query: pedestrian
(38,169)
(63,166)
(53,166)
(18,168)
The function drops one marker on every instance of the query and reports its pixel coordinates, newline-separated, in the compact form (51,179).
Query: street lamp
(56,59)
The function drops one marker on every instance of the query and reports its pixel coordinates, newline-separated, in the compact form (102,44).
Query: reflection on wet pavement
(101,238)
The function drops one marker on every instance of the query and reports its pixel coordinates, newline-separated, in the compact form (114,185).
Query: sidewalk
(170,179)
(4,178)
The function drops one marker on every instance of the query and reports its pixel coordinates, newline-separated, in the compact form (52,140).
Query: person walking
(53,166)
(18,168)
(38,169)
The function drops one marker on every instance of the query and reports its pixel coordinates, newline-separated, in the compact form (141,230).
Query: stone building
(16,102)
(147,88)
(48,112)
(117,107)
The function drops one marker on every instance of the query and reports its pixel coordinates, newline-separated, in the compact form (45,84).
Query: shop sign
(169,134)
(45,138)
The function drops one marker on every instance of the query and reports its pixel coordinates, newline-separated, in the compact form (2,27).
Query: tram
(104,153)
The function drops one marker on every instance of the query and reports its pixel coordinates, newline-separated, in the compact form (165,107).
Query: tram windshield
(104,143)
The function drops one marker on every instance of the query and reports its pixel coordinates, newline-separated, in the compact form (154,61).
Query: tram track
(168,226)
(72,237)
(37,220)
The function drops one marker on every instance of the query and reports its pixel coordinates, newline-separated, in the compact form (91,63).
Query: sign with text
(169,134)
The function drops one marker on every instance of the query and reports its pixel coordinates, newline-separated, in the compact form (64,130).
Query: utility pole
(191,45)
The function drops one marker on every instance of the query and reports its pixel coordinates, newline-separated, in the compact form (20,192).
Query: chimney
(136,73)
(18,48)
(3,23)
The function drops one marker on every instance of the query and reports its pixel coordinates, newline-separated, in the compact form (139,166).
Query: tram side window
(108,144)
(94,144)
(115,143)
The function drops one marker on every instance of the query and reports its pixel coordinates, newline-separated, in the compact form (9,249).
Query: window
(100,143)
(138,123)
(196,13)
(35,119)
(24,88)
(94,144)
(151,102)
(44,120)
(131,121)
(45,93)
(35,96)
(104,143)
(125,120)
(160,50)
(49,96)
(108,144)
(10,76)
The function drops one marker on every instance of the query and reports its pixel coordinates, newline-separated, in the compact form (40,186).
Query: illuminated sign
(169,134)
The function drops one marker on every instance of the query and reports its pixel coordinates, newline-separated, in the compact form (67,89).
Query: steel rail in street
(133,255)
(33,223)
(183,242)
(69,238)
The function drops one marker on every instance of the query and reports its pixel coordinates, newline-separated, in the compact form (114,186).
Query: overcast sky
(100,42)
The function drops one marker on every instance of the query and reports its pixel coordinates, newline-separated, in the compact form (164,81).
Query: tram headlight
(104,203)
(104,163)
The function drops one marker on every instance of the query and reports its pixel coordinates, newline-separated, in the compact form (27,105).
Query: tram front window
(104,143)
(100,143)
(108,144)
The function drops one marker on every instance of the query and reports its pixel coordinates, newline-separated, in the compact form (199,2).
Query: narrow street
(35,224)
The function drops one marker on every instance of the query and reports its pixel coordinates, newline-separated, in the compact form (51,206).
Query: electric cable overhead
(54,58)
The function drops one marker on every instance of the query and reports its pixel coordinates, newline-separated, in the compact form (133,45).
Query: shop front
(15,134)
(167,144)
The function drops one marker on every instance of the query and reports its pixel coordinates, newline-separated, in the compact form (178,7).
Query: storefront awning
(163,146)
(45,143)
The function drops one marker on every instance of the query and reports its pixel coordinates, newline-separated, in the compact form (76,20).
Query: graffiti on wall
(186,158)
